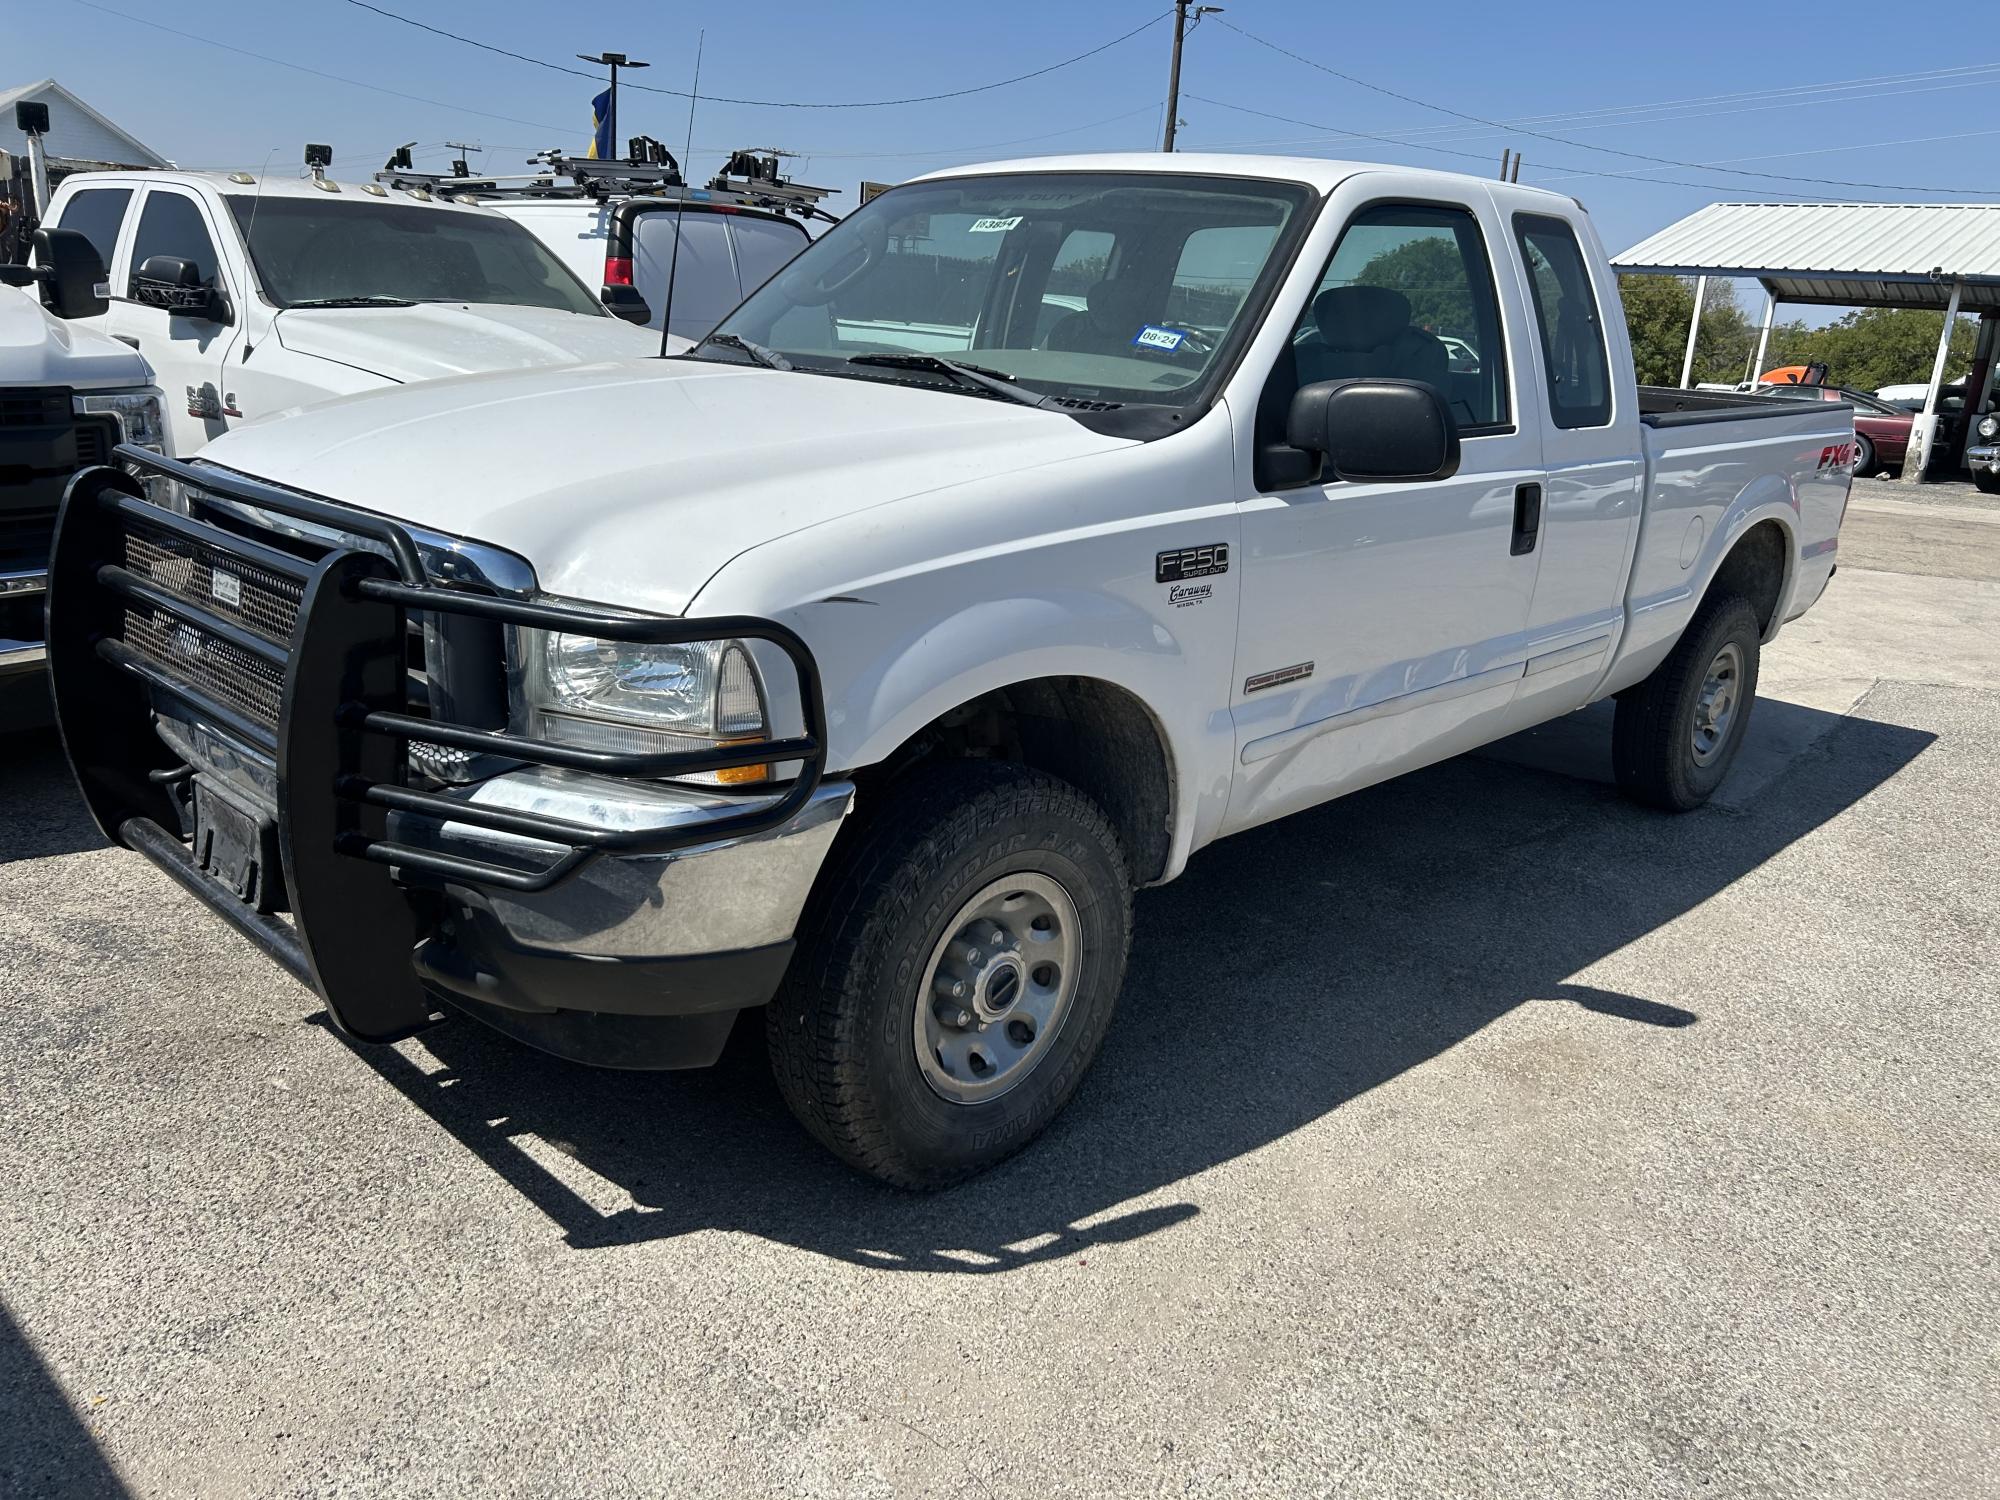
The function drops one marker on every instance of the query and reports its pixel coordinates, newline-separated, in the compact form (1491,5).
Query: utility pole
(1185,12)
(615,61)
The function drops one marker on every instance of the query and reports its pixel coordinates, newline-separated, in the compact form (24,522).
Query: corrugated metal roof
(1898,254)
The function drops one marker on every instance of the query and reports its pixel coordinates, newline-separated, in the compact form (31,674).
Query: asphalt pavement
(1477,1135)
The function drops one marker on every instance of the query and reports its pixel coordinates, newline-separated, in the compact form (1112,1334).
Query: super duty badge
(1191,562)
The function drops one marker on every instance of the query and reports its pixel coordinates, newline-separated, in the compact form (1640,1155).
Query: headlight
(140,416)
(617,695)
(1989,428)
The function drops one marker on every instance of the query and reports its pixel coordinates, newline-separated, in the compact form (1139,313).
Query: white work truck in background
(68,396)
(1330,472)
(254,296)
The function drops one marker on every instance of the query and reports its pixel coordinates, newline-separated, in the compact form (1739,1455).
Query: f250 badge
(1184,563)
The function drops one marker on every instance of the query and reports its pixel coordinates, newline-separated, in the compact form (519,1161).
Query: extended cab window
(171,224)
(1566,313)
(96,214)
(1408,295)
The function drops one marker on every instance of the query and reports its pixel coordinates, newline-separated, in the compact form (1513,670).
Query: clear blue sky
(1601,68)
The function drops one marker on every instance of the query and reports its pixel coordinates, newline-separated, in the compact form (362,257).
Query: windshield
(1123,287)
(347,251)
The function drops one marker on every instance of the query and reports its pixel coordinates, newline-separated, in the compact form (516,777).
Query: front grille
(95,438)
(239,591)
(251,686)
(24,538)
(34,408)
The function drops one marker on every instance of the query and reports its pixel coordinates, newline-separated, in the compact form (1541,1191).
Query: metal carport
(1942,257)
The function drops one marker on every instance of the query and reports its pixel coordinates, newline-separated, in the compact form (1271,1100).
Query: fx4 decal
(1837,456)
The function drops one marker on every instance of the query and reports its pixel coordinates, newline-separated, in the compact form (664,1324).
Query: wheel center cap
(998,987)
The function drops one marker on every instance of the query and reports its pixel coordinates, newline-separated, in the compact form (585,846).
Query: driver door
(1383,624)
(186,352)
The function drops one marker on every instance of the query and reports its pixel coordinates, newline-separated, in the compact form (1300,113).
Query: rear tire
(1677,732)
(1864,456)
(1012,867)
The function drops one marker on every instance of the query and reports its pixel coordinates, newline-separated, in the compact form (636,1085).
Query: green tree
(1876,346)
(1657,310)
(1429,271)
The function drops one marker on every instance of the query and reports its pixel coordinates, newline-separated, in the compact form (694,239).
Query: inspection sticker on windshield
(1150,337)
(993,226)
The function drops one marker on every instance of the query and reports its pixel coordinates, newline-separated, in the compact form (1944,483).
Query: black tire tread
(869,887)
(1646,739)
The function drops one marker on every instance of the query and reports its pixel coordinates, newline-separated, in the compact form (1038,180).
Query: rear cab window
(97,214)
(1568,320)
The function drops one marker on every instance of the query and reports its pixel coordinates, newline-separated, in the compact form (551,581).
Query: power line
(1481,156)
(983,88)
(1665,161)
(317,72)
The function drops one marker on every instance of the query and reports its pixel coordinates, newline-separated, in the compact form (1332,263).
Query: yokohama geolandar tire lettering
(1677,733)
(842,1030)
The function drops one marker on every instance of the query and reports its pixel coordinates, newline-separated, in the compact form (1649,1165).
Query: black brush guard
(342,731)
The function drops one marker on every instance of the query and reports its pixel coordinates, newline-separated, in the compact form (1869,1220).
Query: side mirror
(627,302)
(72,274)
(1382,430)
(175,284)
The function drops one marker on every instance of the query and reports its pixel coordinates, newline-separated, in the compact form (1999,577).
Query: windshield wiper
(971,377)
(770,359)
(353,302)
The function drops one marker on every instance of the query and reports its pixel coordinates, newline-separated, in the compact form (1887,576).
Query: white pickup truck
(68,396)
(606,742)
(252,296)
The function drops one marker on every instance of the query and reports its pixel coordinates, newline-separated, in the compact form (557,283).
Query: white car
(252,298)
(626,248)
(866,684)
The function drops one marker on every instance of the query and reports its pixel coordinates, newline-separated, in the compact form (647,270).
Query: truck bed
(1713,459)
(1670,406)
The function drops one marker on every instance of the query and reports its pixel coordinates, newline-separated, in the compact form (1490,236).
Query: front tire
(1677,733)
(1989,483)
(956,972)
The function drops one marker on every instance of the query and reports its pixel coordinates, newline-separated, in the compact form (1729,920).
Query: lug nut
(957,1017)
(949,988)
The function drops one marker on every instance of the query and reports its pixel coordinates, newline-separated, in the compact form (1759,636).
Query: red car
(1881,431)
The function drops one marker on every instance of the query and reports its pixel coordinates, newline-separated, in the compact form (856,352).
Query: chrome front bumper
(1983,457)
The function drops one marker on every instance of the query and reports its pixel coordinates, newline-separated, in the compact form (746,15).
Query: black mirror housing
(1376,430)
(175,284)
(627,302)
(72,274)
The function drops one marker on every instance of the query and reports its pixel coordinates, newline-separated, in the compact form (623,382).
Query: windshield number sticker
(1168,339)
(994,226)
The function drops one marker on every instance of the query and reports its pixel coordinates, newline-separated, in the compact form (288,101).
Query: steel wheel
(997,988)
(1715,707)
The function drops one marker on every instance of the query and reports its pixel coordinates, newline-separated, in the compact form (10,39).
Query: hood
(632,483)
(437,339)
(38,348)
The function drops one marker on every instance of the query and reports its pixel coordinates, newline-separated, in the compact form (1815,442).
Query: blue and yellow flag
(600,127)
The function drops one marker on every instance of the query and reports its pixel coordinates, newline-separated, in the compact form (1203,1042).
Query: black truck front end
(297,710)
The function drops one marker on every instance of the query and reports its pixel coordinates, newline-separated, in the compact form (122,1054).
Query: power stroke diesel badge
(1184,563)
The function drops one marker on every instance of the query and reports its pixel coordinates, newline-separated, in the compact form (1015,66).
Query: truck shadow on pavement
(47,1451)
(40,811)
(1290,970)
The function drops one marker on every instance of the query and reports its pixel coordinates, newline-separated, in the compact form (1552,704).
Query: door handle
(1527,518)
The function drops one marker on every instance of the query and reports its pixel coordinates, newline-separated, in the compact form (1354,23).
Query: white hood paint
(38,348)
(437,339)
(699,462)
